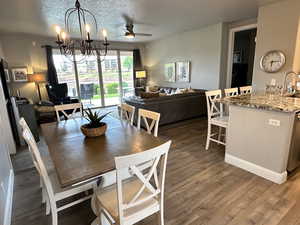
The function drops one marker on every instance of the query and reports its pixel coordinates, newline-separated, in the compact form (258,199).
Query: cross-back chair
(245,90)
(53,191)
(66,109)
(229,92)
(131,200)
(149,115)
(215,116)
(127,112)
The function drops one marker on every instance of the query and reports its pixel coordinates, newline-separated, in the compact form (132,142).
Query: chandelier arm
(67,16)
(102,52)
(79,21)
(83,16)
(94,18)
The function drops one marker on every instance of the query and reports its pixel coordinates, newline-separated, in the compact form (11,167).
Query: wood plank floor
(201,189)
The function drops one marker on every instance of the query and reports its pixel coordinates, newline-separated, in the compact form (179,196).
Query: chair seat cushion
(107,198)
(221,121)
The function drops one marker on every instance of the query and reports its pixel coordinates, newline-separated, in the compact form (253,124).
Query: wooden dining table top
(77,158)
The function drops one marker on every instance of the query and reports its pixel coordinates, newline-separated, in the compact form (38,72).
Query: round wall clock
(272,61)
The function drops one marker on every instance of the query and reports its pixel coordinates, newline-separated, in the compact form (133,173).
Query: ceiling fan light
(129,35)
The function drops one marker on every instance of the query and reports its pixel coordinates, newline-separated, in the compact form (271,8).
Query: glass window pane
(127,73)
(88,77)
(65,72)
(110,74)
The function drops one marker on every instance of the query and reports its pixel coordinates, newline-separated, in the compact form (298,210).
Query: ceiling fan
(129,33)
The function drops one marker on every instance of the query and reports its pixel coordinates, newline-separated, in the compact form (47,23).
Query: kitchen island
(261,135)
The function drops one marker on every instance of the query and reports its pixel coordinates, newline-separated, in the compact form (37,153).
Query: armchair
(58,94)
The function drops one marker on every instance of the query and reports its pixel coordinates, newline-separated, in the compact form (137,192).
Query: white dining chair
(131,200)
(52,189)
(149,115)
(66,107)
(230,92)
(245,90)
(215,116)
(127,112)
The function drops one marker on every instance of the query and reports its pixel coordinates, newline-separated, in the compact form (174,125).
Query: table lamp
(140,75)
(38,78)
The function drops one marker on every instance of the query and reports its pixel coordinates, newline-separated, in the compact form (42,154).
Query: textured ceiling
(159,17)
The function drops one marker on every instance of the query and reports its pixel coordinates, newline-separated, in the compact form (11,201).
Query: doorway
(242,43)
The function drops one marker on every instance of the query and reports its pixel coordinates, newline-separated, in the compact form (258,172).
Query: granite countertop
(265,102)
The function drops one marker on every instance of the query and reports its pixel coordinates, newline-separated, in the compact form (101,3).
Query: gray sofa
(173,108)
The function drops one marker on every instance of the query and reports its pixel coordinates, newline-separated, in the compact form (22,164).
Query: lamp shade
(37,77)
(140,74)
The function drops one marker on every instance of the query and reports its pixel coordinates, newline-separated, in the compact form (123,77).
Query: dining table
(77,158)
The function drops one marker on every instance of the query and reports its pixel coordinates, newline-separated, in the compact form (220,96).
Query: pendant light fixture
(88,28)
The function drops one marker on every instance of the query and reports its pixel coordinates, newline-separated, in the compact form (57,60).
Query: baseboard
(9,199)
(275,177)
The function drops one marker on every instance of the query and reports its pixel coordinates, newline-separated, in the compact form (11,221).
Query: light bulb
(129,35)
(87,28)
(104,33)
(63,35)
(57,29)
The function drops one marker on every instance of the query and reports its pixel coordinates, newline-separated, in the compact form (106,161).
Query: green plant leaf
(94,118)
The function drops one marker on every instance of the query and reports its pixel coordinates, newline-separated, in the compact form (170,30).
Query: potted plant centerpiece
(95,127)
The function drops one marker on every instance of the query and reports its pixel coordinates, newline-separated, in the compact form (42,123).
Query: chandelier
(85,44)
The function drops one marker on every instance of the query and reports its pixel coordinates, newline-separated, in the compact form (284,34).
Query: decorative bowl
(93,132)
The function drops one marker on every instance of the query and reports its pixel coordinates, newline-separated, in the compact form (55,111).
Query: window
(127,72)
(111,80)
(65,72)
(113,64)
(97,88)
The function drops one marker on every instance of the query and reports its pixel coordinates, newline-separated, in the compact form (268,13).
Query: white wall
(277,30)
(25,50)
(203,47)
(6,145)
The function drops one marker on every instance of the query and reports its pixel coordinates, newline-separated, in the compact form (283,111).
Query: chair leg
(161,217)
(208,136)
(220,134)
(54,218)
(41,182)
(225,136)
(47,206)
(44,197)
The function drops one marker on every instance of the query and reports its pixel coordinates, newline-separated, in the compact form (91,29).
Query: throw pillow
(184,90)
(149,95)
(191,90)
(153,88)
(162,90)
(173,92)
(178,91)
(162,94)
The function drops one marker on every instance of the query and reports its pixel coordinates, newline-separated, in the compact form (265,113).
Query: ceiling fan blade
(142,34)
(127,19)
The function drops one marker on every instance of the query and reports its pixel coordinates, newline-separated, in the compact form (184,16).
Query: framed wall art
(170,72)
(19,74)
(183,71)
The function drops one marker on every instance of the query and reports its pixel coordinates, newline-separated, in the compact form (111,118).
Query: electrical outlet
(273,122)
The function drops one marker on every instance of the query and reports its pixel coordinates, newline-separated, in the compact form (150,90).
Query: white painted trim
(275,177)
(232,32)
(9,199)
